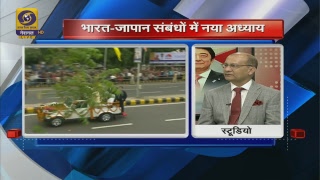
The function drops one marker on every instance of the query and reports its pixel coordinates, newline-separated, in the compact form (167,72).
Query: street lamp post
(138,80)
(137,59)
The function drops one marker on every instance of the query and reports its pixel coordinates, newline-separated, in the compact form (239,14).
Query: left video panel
(123,91)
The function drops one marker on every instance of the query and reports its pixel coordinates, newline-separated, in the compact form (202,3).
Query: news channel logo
(27,23)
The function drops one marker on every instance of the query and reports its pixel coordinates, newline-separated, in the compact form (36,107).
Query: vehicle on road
(55,114)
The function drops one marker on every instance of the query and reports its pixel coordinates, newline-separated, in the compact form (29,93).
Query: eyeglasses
(234,66)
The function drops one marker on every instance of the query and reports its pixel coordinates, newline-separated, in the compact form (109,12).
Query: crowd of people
(41,75)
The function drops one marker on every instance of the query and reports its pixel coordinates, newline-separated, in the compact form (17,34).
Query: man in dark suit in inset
(205,77)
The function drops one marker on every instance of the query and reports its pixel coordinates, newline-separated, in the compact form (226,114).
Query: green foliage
(83,86)
(112,60)
(87,57)
(84,56)
(63,56)
(33,56)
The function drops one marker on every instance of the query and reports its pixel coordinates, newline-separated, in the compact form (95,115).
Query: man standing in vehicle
(122,98)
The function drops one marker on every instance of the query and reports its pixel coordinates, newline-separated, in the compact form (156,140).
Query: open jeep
(56,113)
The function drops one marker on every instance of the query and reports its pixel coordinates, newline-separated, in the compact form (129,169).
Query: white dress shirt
(243,92)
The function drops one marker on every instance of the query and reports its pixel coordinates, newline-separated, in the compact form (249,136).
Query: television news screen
(159,89)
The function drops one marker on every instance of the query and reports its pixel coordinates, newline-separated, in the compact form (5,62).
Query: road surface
(167,118)
(45,95)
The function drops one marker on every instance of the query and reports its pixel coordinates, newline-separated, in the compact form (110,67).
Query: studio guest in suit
(242,101)
(206,78)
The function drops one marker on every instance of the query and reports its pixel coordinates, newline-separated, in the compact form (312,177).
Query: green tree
(89,57)
(112,60)
(83,86)
(51,55)
(32,56)
(64,56)
(83,56)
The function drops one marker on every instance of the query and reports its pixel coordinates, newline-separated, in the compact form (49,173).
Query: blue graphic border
(189,141)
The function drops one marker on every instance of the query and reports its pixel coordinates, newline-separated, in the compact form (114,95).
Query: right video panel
(237,91)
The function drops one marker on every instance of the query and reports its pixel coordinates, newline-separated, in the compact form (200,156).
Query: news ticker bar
(172,29)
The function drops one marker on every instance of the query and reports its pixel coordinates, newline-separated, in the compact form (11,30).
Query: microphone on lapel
(229,104)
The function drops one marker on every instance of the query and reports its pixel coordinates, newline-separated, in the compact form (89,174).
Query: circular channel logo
(27,18)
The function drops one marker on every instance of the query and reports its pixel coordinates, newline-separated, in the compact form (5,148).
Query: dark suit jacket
(214,80)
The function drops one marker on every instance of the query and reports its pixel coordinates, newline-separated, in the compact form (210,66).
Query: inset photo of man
(246,92)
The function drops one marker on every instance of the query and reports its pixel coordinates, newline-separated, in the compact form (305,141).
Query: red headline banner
(172,29)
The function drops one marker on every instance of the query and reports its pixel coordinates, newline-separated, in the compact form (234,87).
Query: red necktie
(235,106)
(197,81)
